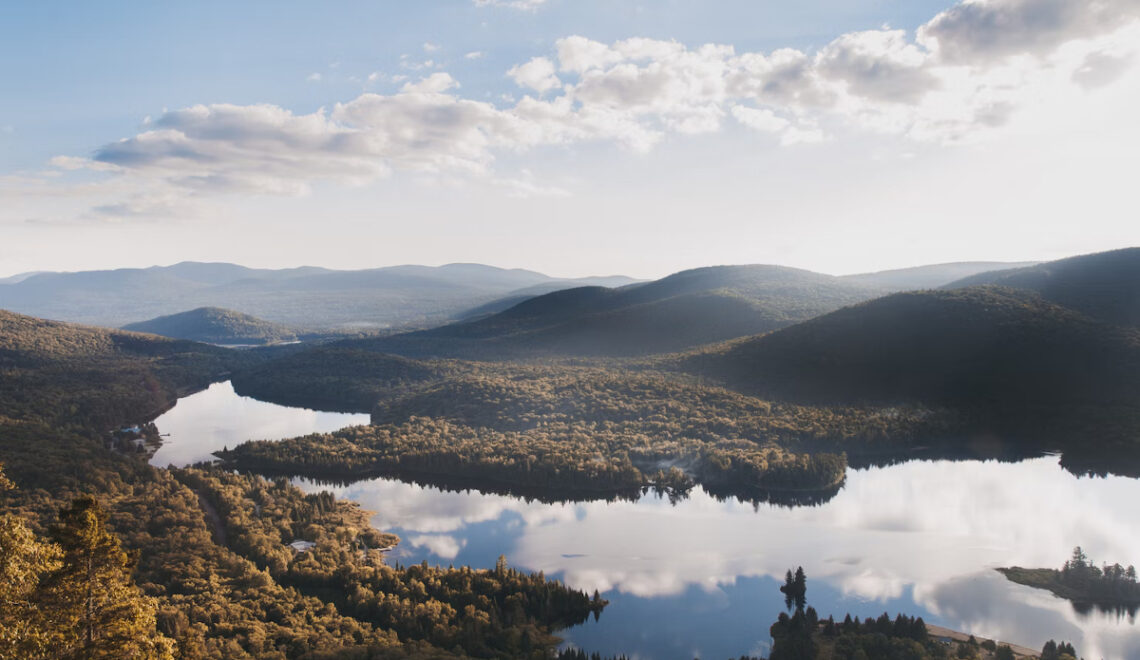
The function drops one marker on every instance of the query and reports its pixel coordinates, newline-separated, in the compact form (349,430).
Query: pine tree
(24,561)
(99,612)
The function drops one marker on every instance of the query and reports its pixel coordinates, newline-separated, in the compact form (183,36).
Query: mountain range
(682,310)
(305,297)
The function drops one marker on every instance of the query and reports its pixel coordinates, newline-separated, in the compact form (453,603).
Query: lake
(215,418)
(700,577)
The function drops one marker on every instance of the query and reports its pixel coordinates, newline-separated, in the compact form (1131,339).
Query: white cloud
(429,47)
(475,55)
(950,83)
(980,31)
(313,77)
(537,74)
(443,546)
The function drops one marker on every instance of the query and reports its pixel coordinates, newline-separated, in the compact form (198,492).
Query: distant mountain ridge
(308,297)
(1104,285)
(931,276)
(214,325)
(682,310)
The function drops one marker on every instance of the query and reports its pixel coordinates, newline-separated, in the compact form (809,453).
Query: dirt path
(214,520)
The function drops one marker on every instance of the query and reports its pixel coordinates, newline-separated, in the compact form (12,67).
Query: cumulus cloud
(979,31)
(967,71)
(537,74)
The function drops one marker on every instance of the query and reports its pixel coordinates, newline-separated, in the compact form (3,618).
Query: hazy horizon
(554,275)
(571,137)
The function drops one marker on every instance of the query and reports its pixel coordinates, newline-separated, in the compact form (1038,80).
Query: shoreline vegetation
(202,594)
(562,462)
(568,428)
(1107,588)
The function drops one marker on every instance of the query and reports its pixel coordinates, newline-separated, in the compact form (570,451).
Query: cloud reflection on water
(927,530)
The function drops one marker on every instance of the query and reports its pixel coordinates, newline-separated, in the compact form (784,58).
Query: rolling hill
(214,325)
(682,310)
(307,297)
(981,347)
(932,276)
(58,371)
(1104,285)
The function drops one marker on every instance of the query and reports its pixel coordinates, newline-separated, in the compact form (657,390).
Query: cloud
(979,31)
(313,77)
(475,55)
(880,65)
(537,74)
(953,81)
(443,546)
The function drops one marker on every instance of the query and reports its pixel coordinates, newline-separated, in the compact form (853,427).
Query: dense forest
(566,428)
(174,580)
(1007,362)
(90,379)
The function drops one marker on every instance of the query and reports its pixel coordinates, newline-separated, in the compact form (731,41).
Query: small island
(1110,588)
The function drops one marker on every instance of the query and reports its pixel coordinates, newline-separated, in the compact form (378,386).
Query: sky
(573,137)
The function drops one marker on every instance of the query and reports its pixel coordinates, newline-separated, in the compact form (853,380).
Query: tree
(800,588)
(98,611)
(24,560)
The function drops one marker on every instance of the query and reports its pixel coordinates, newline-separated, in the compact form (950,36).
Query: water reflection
(919,537)
(204,422)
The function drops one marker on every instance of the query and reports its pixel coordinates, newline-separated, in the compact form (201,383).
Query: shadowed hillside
(972,346)
(214,325)
(685,309)
(1105,285)
(99,378)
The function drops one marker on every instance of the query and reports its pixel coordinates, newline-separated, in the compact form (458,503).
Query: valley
(900,447)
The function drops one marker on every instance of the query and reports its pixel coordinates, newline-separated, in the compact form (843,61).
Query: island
(1081,581)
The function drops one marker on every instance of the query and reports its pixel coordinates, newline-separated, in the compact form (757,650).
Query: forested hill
(1105,285)
(988,347)
(682,310)
(931,276)
(214,325)
(308,297)
(93,377)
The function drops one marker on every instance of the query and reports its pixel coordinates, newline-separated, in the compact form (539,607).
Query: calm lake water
(700,578)
(215,418)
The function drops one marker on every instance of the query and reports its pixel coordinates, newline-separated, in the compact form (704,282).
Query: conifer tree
(24,560)
(99,612)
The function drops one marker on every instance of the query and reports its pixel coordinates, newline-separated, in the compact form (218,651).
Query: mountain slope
(1104,285)
(986,347)
(931,276)
(214,325)
(307,297)
(56,371)
(682,310)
